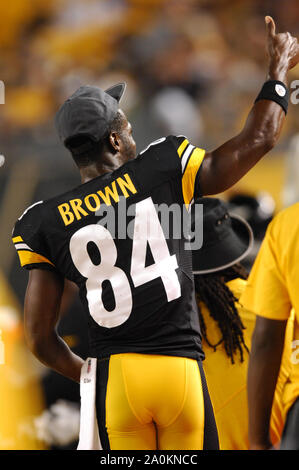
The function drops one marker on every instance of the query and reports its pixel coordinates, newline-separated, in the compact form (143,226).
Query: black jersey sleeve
(191,158)
(29,241)
(175,155)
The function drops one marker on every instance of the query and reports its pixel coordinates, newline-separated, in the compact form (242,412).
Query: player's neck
(92,171)
(107,165)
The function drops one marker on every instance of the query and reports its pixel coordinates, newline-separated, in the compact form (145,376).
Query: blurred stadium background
(192,67)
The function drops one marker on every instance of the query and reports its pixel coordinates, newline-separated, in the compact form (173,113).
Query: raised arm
(41,315)
(226,165)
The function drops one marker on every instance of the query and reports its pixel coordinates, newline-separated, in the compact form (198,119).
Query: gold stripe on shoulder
(190,173)
(182,147)
(29,257)
(17,239)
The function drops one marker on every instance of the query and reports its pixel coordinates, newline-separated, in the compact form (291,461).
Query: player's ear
(114,141)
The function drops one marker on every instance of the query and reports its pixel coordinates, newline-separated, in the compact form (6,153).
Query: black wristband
(274,90)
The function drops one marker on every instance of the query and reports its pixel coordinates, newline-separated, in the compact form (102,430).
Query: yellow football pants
(149,402)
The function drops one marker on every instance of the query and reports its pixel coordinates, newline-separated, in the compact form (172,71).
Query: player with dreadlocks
(226,326)
(213,290)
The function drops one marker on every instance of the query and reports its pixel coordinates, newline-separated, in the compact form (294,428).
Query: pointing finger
(270,25)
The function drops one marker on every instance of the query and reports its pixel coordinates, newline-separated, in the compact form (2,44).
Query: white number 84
(164,265)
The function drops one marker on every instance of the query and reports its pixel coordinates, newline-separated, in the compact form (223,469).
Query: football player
(137,287)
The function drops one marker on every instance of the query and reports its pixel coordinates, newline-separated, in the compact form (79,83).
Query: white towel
(89,433)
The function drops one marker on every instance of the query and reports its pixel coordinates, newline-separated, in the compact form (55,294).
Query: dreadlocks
(220,301)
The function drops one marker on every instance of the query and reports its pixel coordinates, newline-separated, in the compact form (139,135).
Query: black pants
(290,435)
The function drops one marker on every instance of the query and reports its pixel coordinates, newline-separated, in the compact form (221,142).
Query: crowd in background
(192,67)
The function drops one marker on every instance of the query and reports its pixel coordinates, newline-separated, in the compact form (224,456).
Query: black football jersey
(132,268)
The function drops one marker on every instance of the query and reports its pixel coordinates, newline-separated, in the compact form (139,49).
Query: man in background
(272,294)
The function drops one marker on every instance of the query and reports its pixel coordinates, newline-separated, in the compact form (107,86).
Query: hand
(283,49)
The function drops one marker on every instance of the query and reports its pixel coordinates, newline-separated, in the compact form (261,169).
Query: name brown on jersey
(77,208)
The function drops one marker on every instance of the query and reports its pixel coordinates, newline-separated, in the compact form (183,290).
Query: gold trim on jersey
(182,147)
(29,257)
(26,254)
(191,169)
(17,239)
(191,160)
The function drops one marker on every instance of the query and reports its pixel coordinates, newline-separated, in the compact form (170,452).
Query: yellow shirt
(227,382)
(273,291)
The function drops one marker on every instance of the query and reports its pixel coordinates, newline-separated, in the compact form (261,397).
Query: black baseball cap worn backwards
(88,112)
